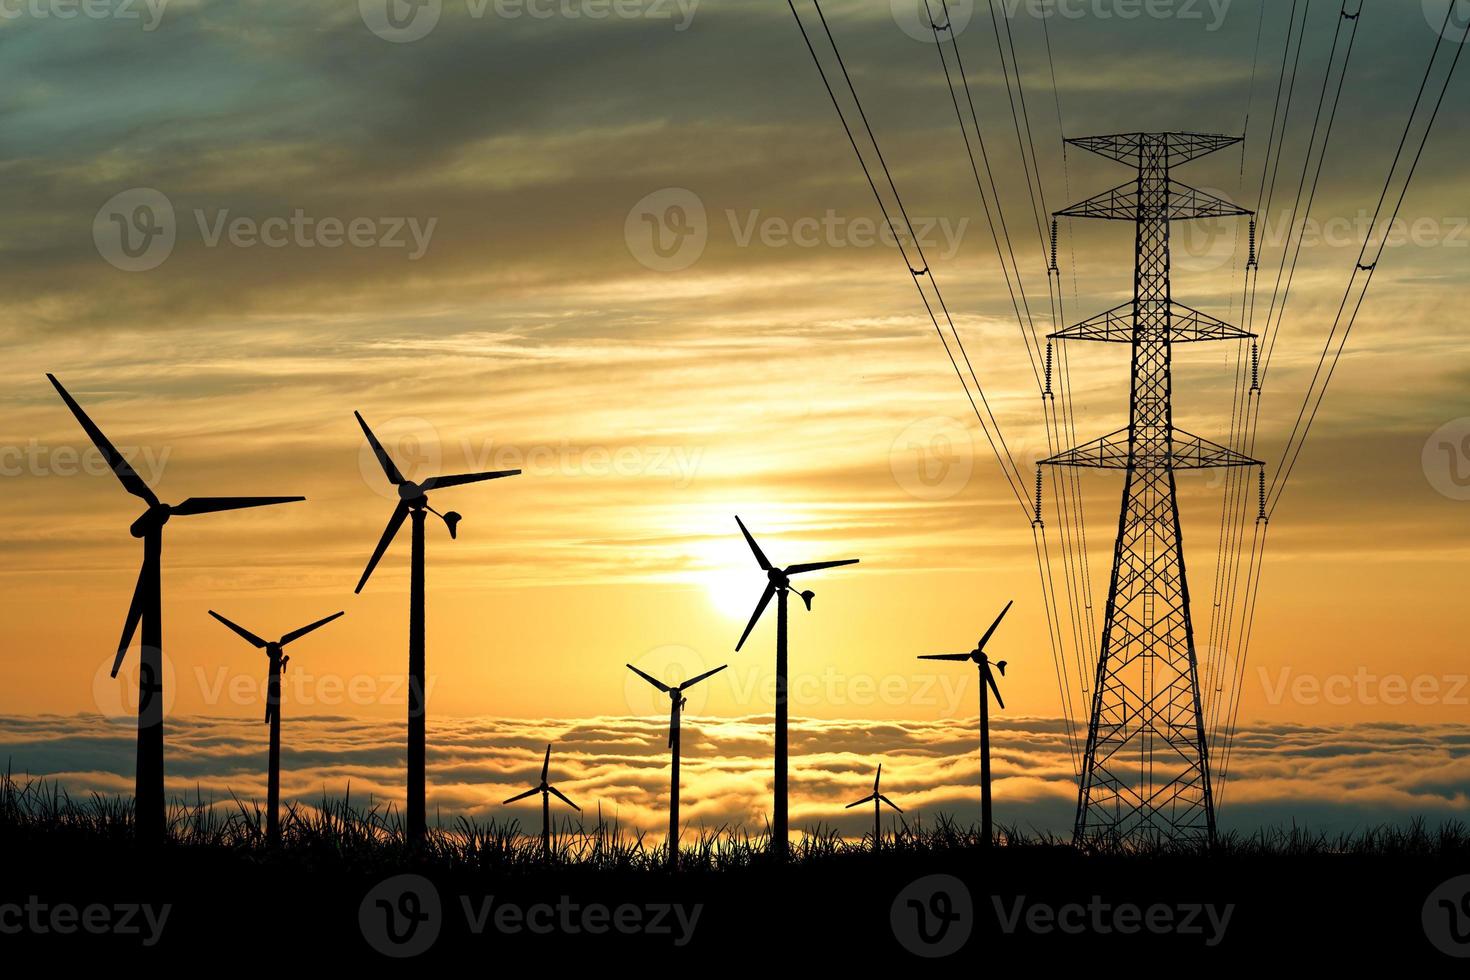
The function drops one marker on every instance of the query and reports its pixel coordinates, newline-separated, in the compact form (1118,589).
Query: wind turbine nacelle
(153,517)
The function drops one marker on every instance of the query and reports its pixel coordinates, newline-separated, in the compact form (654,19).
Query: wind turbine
(676,709)
(278,663)
(877,799)
(547,791)
(987,685)
(778,584)
(146,609)
(413,501)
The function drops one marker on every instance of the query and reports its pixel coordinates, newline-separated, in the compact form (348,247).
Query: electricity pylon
(1146,775)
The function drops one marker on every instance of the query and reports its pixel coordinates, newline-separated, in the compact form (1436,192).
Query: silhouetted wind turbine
(147,609)
(413,500)
(987,685)
(676,709)
(877,799)
(278,663)
(547,791)
(778,584)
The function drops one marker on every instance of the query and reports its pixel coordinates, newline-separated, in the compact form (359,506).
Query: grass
(1308,897)
(369,836)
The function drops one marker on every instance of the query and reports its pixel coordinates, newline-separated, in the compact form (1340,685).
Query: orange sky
(786,383)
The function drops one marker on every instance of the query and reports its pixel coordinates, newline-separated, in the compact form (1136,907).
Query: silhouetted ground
(76,883)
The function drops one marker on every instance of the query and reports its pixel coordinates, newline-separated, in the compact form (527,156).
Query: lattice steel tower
(1146,774)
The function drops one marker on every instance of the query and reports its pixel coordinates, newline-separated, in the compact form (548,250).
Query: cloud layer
(1328,778)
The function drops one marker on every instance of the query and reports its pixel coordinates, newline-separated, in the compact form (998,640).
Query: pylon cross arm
(1179,202)
(1186,325)
(1131,148)
(1186,452)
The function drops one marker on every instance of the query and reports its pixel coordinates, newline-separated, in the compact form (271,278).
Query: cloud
(1328,778)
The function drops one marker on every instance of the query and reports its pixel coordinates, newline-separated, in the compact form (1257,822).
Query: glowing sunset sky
(789,381)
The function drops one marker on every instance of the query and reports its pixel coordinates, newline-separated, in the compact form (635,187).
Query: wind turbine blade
(877,778)
(129,477)
(695,680)
(559,795)
(866,799)
(890,803)
(760,607)
(546,765)
(990,679)
(760,556)
(211,505)
(813,566)
(462,478)
(655,682)
(248,636)
(130,625)
(522,796)
(945,656)
(394,523)
(389,470)
(981,644)
(298,634)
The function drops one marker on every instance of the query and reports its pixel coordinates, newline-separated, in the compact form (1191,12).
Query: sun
(732,580)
